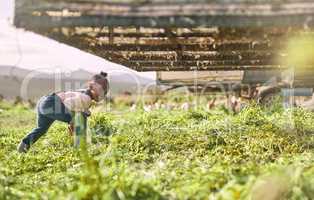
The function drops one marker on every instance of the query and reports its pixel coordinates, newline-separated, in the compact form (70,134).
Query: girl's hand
(87,113)
(71,128)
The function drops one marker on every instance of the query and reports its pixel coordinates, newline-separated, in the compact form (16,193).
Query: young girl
(59,106)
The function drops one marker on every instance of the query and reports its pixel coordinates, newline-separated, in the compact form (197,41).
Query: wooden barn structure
(177,35)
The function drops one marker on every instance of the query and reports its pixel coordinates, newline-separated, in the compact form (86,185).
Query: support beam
(62,13)
(181,33)
(230,46)
(211,68)
(111,38)
(296,20)
(200,64)
(174,46)
(197,56)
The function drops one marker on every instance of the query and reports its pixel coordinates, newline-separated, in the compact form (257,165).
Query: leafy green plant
(195,154)
(101,124)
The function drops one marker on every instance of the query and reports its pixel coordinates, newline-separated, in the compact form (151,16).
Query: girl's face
(98,90)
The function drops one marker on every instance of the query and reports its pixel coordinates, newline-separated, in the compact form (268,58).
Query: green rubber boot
(80,125)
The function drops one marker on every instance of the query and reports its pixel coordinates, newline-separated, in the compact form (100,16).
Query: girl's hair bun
(104,74)
(101,79)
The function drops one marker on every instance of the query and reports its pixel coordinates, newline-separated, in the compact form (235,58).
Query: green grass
(256,154)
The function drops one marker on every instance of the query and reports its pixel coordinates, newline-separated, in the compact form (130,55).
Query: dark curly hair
(102,79)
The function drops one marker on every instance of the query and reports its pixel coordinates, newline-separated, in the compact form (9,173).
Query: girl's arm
(77,101)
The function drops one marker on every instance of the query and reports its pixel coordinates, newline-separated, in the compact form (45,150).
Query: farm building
(181,35)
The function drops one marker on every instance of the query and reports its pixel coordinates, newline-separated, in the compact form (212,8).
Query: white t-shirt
(75,101)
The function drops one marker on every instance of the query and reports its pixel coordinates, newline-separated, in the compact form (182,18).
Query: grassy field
(256,154)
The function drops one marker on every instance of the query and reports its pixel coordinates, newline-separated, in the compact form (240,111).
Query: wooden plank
(46,22)
(232,60)
(171,8)
(209,46)
(211,68)
(111,38)
(200,64)
(183,33)
(236,46)
(170,40)
(156,34)
(97,14)
(163,2)
(198,56)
